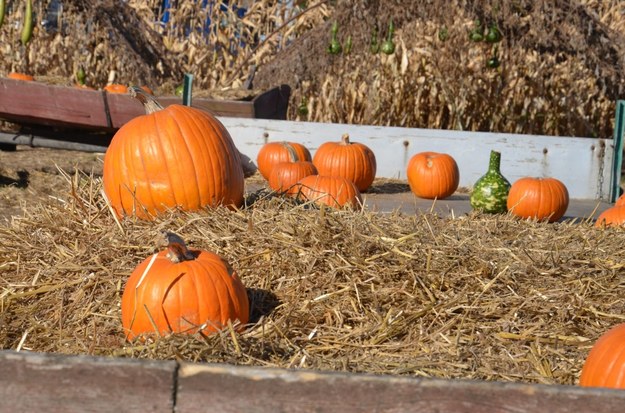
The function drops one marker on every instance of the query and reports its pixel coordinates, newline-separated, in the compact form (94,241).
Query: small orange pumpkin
(333,191)
(433,175)
(351,160)
(538,198)
(614,216)
(116,88)
(620,201)
(285,175)
(178,156)
(273,153)
(182,291)
(20,76)
(605,364)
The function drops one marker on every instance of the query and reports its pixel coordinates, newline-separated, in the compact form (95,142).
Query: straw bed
(481,297)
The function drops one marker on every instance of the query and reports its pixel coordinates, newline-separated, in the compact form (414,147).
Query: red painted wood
(43,104)
(123,108)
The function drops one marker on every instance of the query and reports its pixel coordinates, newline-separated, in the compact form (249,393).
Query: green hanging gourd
(490,192)
(388,47)
(335,46)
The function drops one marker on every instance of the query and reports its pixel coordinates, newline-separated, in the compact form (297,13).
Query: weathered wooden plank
(229,389)
(583,164)
(123,108)
(31,382)
(34,102)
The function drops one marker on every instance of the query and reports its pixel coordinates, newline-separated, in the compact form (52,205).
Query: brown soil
(29,176)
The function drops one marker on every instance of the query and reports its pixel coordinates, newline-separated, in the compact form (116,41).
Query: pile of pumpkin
(181,157)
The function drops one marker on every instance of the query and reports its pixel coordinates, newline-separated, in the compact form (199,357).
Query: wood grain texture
(34,102)
(31,382)
(35,382)
(238,389)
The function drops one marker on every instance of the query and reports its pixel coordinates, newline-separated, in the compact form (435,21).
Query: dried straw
(479,297)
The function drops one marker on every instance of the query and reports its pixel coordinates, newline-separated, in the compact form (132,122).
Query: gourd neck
(494,164)
(150,104)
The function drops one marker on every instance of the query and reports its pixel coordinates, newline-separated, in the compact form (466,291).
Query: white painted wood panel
(583,164)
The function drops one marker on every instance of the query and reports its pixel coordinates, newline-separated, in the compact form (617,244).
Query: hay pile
(478,297)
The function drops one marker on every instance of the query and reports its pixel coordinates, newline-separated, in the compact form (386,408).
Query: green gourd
(490,192)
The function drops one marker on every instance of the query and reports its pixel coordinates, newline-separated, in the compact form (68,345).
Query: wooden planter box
(33,382)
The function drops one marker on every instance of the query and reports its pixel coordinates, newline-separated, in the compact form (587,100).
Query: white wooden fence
(584,165)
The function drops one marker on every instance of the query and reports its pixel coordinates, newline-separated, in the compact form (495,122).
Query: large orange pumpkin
(333,191)
(351,160)
(173,157)
(433,175)
(538,198)
(273,153)
(614,216)
(182,291)
(605,364)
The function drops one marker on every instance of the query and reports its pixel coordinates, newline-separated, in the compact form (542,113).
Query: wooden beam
(31,382)
(229,389)
(34,102)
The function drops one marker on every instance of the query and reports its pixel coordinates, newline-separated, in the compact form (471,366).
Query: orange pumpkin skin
(285,175)
(433,175)
(175,157)
(620,201)
(605,364)
(273,153)
(332,191)
(538,198)
(614,216)
(20,76)
(351,160)
(116,88)
(181,297)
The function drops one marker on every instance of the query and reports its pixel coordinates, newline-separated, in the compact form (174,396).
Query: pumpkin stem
(177,250)
(150,104)
(345,139)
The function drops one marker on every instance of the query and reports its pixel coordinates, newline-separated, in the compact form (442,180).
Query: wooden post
(617,164)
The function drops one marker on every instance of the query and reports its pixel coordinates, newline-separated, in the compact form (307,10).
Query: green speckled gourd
(490,192)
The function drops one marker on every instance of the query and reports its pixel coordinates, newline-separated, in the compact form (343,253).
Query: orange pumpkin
(273,153)
(116,88)
(332,191)
(182,291)
(538,198)
(614,216)
(620,201)
(351,160)
(174,157)
(605,364)
(20,76)
(285,175)
(433,175)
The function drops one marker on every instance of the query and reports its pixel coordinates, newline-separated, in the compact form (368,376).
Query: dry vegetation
(560,73)
(482,297)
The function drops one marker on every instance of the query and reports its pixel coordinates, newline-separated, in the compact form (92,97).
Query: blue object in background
(166,5)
